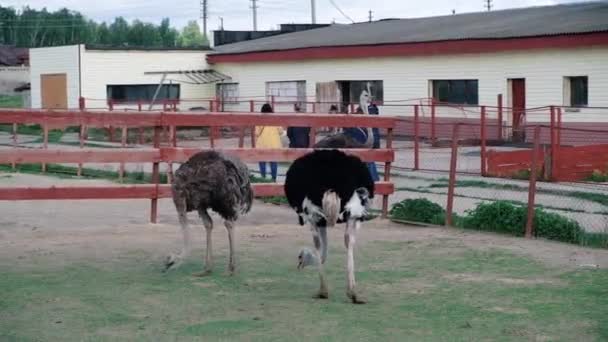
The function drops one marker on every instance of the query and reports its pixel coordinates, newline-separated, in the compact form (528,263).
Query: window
(351,90)
(228,92)
(286,91)
(142,92)
(578,88)
(456,91)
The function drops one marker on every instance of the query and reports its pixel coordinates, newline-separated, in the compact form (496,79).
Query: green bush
(418,210)
(505,217)
(500,216)
(556,227)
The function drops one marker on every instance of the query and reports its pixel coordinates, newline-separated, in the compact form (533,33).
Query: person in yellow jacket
(268,137)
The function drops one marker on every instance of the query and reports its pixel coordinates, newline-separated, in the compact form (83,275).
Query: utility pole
(204,16)
(488,4)
(371,18)
(254,7)
(313,11)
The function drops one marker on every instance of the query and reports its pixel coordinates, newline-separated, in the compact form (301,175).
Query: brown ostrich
(216,181)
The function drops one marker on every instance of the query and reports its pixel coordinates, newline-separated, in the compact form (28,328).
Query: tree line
(37,28)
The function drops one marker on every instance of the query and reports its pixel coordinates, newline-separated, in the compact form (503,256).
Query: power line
(341,12)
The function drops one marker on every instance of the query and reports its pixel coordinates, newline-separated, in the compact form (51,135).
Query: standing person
(373,110)
(299,137)
(268,137)
(333,109)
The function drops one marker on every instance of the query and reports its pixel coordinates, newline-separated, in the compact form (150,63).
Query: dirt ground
(41,225)
(45,239)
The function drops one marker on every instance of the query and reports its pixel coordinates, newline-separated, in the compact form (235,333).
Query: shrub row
(501,217)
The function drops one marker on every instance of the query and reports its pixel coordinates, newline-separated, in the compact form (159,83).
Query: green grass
(13,101)
(414,293)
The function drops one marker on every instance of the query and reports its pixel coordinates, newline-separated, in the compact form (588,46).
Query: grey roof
(563,19)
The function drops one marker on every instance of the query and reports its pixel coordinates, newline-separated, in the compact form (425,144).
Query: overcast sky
(237,14)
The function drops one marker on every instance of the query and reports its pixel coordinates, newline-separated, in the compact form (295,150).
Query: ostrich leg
(231,263)
(208,223)
(173,261)
(349,241)
(320,240)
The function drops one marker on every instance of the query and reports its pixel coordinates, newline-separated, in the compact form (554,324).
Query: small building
(123,76)
(534,57)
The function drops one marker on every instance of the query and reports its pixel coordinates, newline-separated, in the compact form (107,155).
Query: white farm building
(533,57)
(61,75)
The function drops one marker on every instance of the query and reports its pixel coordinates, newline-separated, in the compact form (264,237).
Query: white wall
(55,60)
(103,67)
(408,77)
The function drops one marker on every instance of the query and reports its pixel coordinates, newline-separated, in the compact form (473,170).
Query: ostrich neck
(369,142)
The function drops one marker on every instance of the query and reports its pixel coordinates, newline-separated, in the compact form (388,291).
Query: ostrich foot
(172,261)
(322,294)
(355,299)
(231,270)
(204,273)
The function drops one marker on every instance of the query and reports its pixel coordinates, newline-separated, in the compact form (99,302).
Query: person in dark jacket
(373,110)
(360,134)
(299,137)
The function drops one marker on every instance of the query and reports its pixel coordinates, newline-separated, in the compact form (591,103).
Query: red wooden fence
(172,154)
(570,163)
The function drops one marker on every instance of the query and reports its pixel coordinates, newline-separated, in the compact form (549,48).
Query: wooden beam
(280,155)
(135,192)
(24,155)
(292,119)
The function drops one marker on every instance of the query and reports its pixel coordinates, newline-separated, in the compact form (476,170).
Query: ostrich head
(364,101)
(306,258)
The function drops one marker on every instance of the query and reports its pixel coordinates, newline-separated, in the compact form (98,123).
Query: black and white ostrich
(342,140)
(216,181)
(326,187)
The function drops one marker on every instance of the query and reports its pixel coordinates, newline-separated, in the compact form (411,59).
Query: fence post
(452,181)
(387,172)
(433,123)
(241,136)
(559,127)
(273,103)
(45,141)
(251,106)
(552,132)
(499,105)
(312,137)
(173,144)
(416,138)
(82,135)
(483,141)
(15,131)
(352,108)
(111,129)
(155,176)
(532,186)
(123,144)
